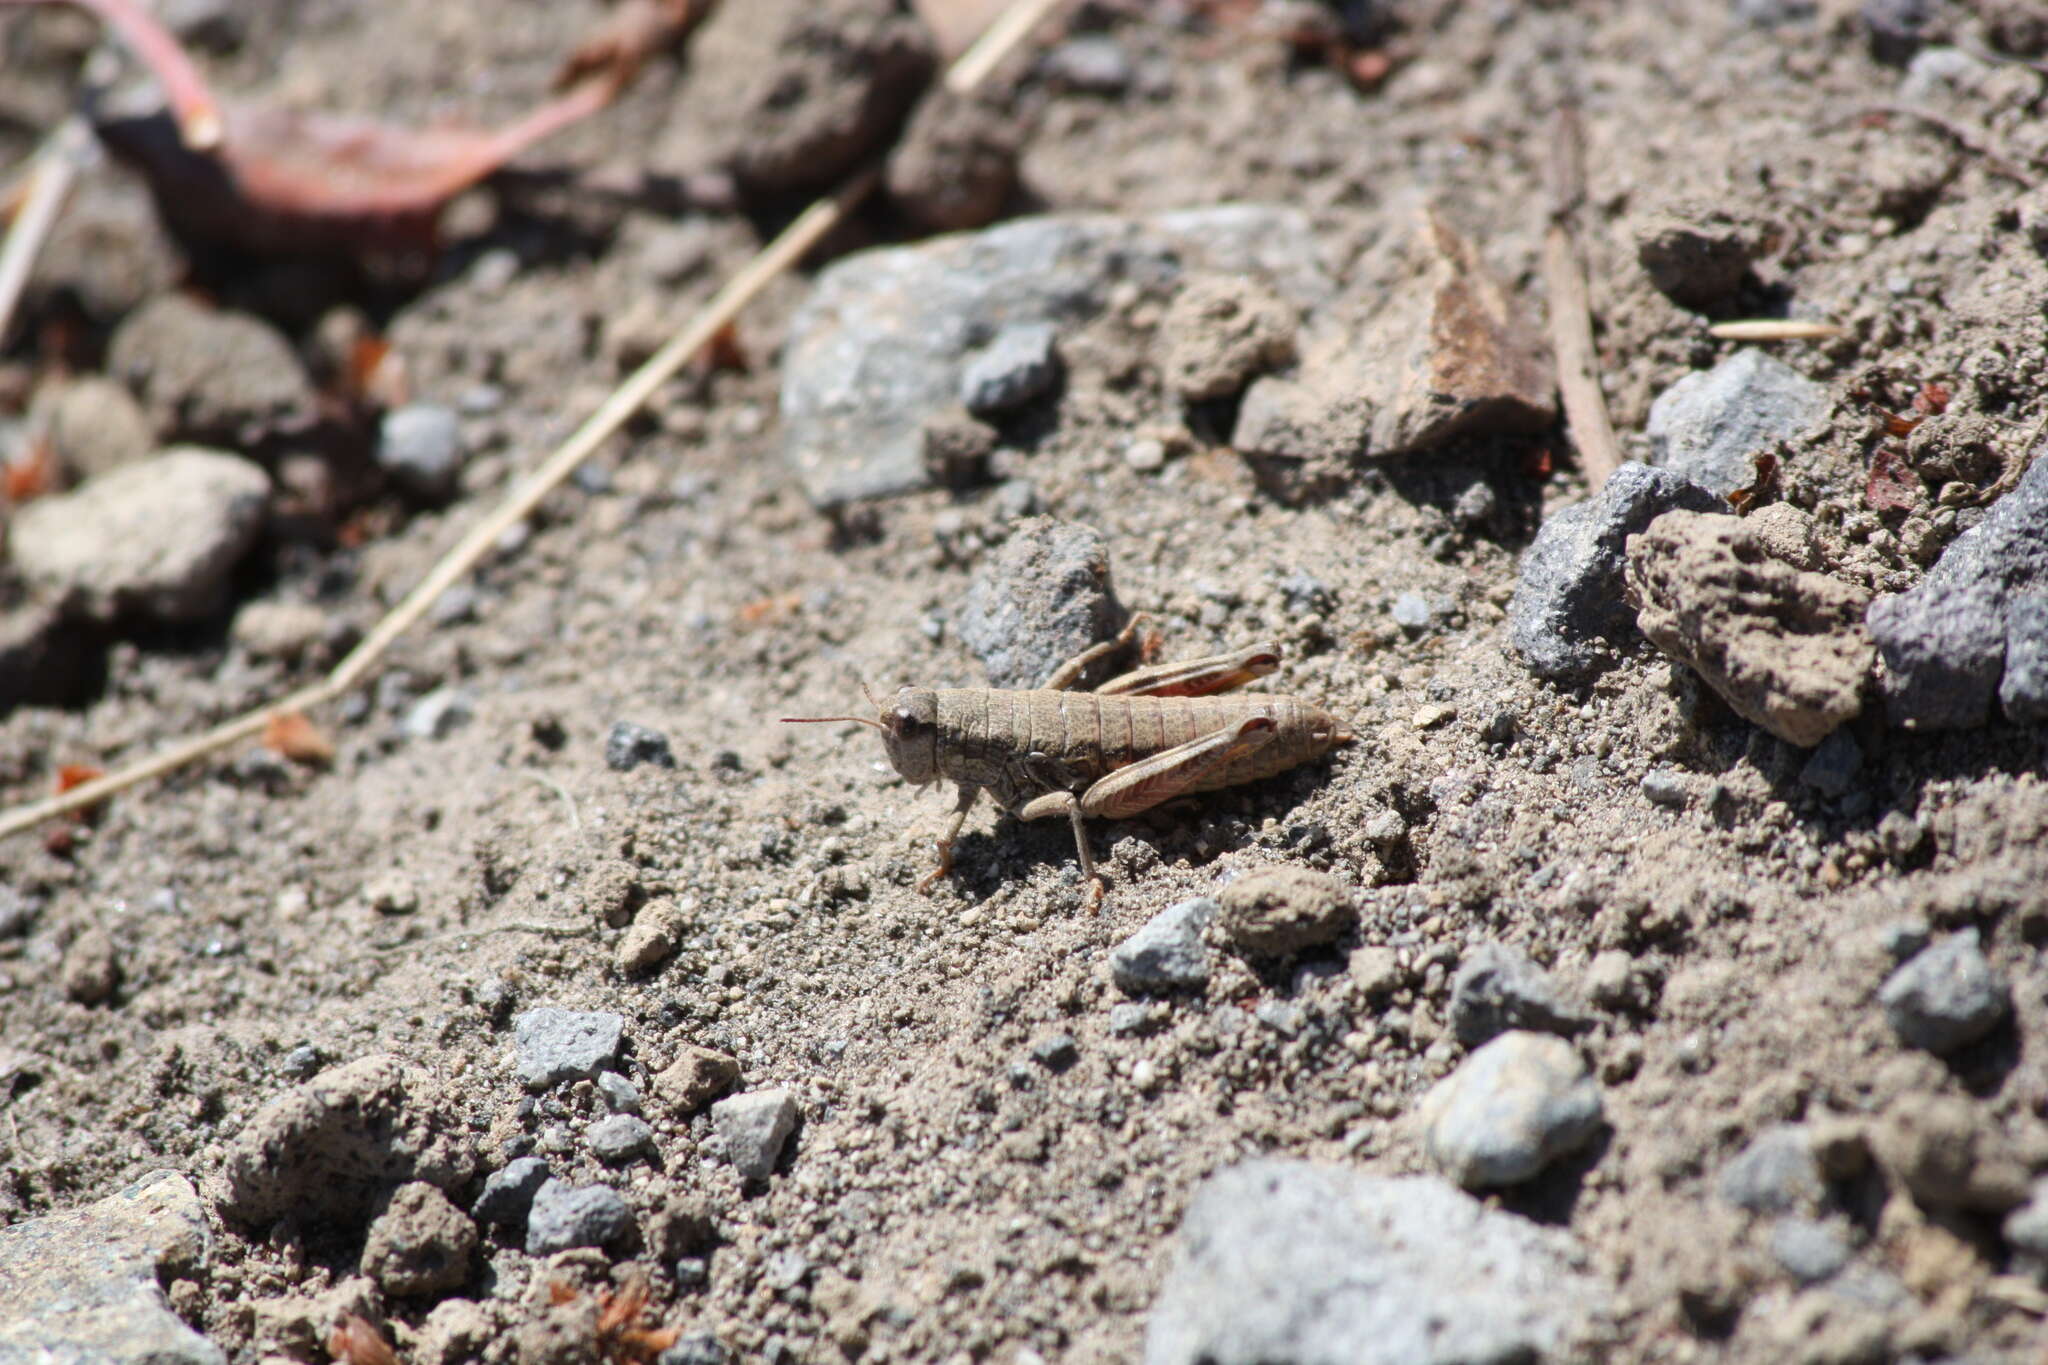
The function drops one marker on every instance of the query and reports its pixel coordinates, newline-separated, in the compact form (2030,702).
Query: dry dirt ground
(946,1196)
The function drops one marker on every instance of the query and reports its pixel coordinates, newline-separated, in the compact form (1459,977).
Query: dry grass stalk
(1571,313)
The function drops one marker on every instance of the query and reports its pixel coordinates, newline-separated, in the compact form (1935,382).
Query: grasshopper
(1137,741)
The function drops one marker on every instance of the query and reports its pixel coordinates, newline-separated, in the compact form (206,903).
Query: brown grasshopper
(1133,743)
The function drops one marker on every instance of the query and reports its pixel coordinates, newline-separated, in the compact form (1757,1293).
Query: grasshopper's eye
(906,723)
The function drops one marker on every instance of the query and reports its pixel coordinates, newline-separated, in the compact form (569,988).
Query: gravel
(1946,996)
(629,745)
(566,1216)
(508,1193)
(1709,427)
(419,446)
(557,1045)
(1568,612)
(1498,988)
(1322,1265)
(1509,1110)
(619,1138)
(697,1076)
(1019,367)
(620,1095)
(1167,954)
(156,539)
(754,1127)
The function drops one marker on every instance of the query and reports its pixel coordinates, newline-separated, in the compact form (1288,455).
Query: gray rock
(880,343)
(1697,252)
(1129,1019)
(1946,996)
(1498,988)
(1809,1250)
(1017,368)
(754,1127)
(84,1286)
(508,1193)
(619,1138)
(1568,606)
(1832,768)
(559,1045)
(157,538)
(1167,954)
(1038,601)
(419,1244)
(566,1216)
(698,1348)
(1285,1261)
(1775,1174)
(1057,1052)
(209,375)
(1278,911)
(621,1096)
(1709,427)
(439,714)
(1667,787)
(1509,1110)
(93,425)
(629,745)
(420,449)
(1947,644)
(1784,647)
(330,1147)
(1903,938)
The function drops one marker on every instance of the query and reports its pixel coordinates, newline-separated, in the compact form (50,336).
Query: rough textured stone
(1952,1154)
(157,538)
(879,345)
(1948,645)
(1017,368)
(508,1193)
(1498,988)
(1568,610)
(1167,954)
(1785,648)
(209,375)
(696,1077)
(419,1243)
(619,1138)
(1276,911)
(1038,601)
(566,1216)
(652,936)
(331,1146)
(1776,1173)
(753,1127)
(1509,1110)
(1695,252)
(90,971)
(1710,426)
(559,1045)
(1285,1261)
(1448,353)
(1222,332)
(84,1286)
(1808,1249)
(1946,996)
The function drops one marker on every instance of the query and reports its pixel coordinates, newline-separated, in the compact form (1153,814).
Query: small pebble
(696,1077)
(1512,1108)
(698,1348)
(1775,1173)
(629,745)
(420,1244)
(1498,988)
(1809,1250)
(558,1045)
(621,1096)
(1411,612)
(1093,64)
(619,1138)
(1429,717)
(1056,1053)
(1667,787)
(754,1127)
(439,714)
(1017,368)
(302,1062)
(391,893)
(90,970)
(1946,996)
(508,1193)
(1167,954)
(1278,911)
(1129,1019)
(420,447)
(1145,455)
(566,1216)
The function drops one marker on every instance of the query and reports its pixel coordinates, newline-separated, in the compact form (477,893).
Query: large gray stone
(1710,426)
(1974,628)
(1568,610)
(156,538)
(83,1288)
(1288,1261)
(881,343)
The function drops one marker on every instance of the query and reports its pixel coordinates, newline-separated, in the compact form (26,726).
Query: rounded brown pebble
(90,971)
(1281,910)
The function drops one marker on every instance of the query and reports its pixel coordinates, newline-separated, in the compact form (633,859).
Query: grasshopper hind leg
(1067,804)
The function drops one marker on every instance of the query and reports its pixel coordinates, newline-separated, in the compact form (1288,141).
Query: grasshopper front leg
(1146,783)
(968,795)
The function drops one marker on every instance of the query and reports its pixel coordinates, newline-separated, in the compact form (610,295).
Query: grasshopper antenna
(857,720)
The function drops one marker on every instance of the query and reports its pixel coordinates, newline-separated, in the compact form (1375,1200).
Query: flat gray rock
(882,342)
(1568,612)
(156,538)
(1709,427)
(557,1045)
(82,1288)
(566,1216)
(1974,628)
(1290,1261)
(1509,1110)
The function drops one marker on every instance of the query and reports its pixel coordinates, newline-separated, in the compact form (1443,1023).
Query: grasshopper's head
(910,730)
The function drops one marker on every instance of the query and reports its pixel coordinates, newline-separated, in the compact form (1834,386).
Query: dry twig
(1571,315)
(48,184)
(784,251)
